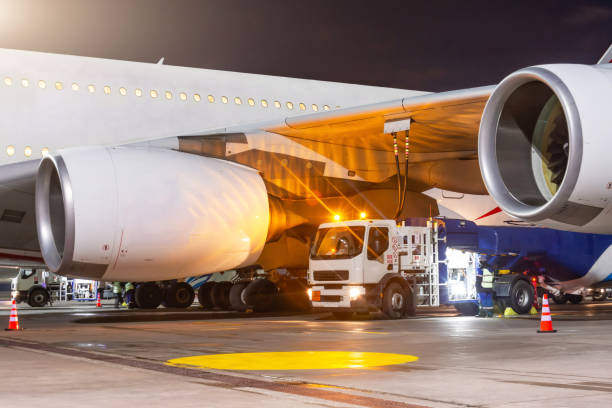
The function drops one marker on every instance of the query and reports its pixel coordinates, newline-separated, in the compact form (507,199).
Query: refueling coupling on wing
(394,127)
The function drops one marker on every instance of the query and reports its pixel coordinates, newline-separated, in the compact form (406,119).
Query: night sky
(426,45)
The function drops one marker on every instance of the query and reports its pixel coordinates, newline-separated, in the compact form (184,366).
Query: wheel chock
(509,312)
(533,311)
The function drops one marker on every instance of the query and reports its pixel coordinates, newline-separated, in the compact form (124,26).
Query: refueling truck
(362,266)
(35,286)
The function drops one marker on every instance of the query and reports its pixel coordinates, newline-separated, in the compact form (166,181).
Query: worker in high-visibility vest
(484,287)
(129,295)
(117,293)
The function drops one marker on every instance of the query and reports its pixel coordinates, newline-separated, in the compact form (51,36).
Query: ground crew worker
(117,293)
(484,287)
(129,295)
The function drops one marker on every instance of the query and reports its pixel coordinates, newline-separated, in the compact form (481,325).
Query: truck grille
(331,275)
(331,298)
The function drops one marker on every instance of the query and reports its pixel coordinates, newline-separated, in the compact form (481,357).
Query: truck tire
(394,301)
(521,296)
(236,296)
(38,297)
(342,315)
(204,295)
(261,294)
(219,294)
(148,295)
(178,294)
(575,299)
(599,295)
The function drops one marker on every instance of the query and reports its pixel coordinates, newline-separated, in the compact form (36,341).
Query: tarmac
(76,354)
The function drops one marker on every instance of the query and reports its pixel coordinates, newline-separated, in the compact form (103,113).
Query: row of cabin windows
(168,95)
(27,151)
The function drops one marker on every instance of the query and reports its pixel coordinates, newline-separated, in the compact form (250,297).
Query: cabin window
(59,86)
(251,102)
(238,101)
(211,99)
(75,86)
(44,151)
(8,81)
(25,83)
(10,150)
(27,151)
(107,90)
(168,95)
(42,84)
(325,107)
(138,92)
(123,91)
(277,104)
(183,96)
(91,88)
(264,103)
(153,93)
(197,98)
(315,107)
(302,106)
(289,105)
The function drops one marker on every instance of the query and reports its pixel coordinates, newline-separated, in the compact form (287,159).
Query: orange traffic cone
(98,303)
(546,321)
(13,320)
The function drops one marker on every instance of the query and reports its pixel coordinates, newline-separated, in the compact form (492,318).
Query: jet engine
(138,214)
(545,147)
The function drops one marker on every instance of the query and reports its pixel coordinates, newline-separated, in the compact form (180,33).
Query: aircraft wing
(350,144)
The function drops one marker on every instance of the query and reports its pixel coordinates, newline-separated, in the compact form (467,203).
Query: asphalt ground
(75,354)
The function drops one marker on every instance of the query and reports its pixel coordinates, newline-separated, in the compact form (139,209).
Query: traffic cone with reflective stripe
(13,320)
(99,302)
(546,321)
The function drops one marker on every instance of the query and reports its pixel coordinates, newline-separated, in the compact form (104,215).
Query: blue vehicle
(562,263)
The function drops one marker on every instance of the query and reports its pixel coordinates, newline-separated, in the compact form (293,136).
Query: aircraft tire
(261,294)
(179,295)
(394,301)
(219,294)
(599,296)
(236,296)
(204,295)
(575,299)
(560,299)
(148,295)
(521,296)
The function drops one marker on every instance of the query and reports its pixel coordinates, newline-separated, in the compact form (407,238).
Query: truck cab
(35,286)
(366,265)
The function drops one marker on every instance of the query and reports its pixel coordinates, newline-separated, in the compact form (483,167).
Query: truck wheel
(521,296)
(394,301)
(575,299)
(236,296)
(148,295)
(560,299)
(38,297)
(342,315)
(599,295)
(262,294)
(179,295)
(219,294)
(204,295)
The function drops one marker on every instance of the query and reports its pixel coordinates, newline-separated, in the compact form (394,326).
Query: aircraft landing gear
(148,295)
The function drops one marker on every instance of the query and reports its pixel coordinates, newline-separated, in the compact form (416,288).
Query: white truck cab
(35,286)
(365,265)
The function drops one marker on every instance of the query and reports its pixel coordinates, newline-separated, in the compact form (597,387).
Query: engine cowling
(137,214)
(544,146)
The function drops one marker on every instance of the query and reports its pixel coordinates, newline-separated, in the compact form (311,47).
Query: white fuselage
(51,101)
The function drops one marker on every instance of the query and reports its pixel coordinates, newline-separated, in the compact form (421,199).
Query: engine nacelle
(545,146)
(136,214)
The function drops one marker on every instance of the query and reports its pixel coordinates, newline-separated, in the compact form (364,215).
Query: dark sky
(427,45)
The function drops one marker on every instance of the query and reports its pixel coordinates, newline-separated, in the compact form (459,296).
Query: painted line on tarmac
(224,379)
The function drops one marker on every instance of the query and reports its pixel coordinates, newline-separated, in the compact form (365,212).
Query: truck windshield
(338,243)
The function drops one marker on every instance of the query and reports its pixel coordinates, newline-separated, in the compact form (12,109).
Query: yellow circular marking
(292,360)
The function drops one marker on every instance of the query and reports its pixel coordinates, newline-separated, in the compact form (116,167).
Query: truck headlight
(309,291)
(354,293)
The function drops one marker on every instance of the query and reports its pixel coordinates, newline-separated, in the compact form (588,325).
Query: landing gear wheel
(219,294)
(560,299)
(148,295)
(179,294)
(236,296)
(342,315)
(262,294)
(204,295)
(575,299)
(38,297)
(394,301)
(521,296)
